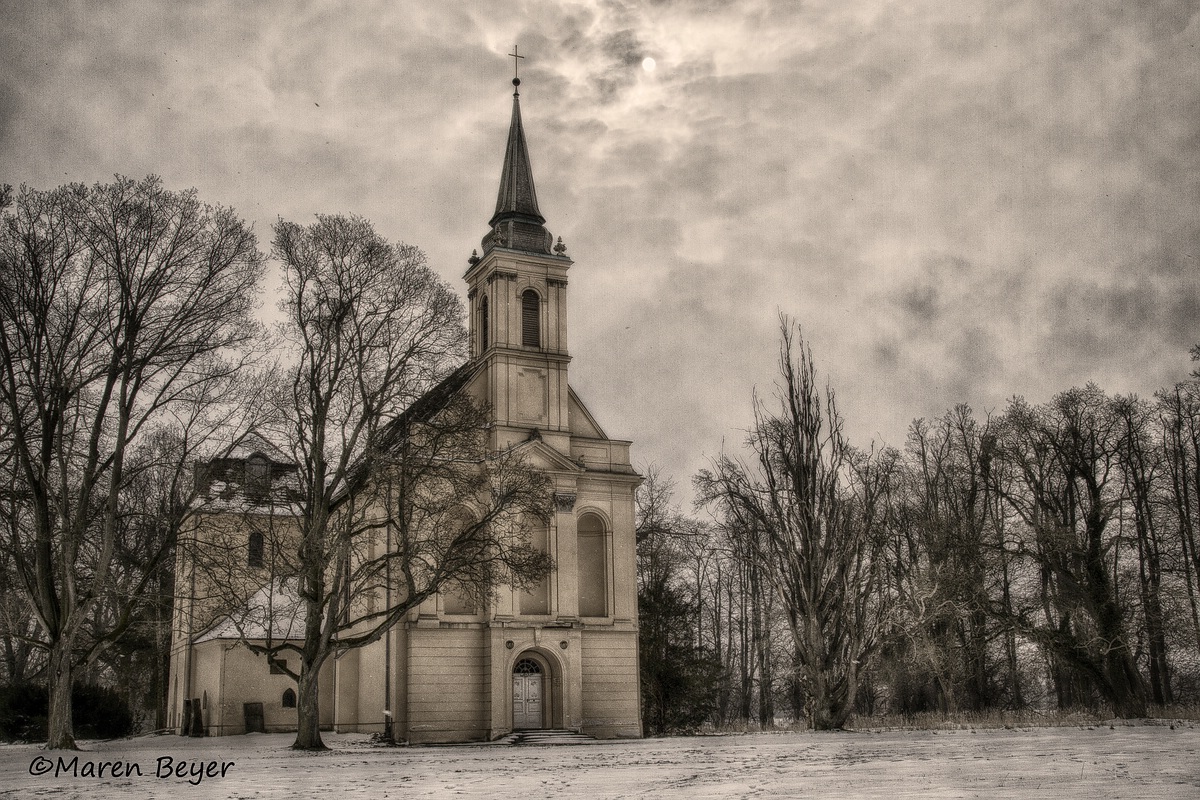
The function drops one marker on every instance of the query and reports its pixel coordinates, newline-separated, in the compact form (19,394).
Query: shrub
(99,712)
(23,710)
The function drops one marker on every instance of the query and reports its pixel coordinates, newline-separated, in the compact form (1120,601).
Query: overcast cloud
(958,201)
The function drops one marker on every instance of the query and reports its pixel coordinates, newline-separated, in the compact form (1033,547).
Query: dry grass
(1184,716)
(1026,718)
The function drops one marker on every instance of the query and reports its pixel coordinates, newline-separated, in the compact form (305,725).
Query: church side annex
(559,655)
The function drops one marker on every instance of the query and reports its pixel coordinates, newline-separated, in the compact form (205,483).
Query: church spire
(517,223)
(517,195)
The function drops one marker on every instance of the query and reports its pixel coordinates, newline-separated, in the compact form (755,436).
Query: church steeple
(517,223)
(517,297)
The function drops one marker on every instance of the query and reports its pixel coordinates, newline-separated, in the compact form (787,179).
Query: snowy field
(1149,760)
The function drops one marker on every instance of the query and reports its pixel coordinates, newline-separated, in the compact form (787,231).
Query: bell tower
(517,296)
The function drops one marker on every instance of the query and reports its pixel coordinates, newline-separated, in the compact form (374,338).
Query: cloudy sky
(959,202)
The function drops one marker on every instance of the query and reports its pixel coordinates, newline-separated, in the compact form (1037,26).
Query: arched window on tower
(531,327)
(593,567)
(483,325)
(289,698)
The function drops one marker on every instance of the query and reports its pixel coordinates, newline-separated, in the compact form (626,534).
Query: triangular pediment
(580,420)
(253,443)
(544,457)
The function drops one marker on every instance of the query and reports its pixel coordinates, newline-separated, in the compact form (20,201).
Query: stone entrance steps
(545,737)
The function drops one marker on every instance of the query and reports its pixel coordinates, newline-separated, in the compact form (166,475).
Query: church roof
(429,404)
(274,612)
(423,409)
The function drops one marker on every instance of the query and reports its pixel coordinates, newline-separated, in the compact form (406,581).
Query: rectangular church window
(254,557)
(456,601)
(536,599)
(258,477)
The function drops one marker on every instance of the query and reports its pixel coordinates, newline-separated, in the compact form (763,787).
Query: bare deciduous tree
(396,497)
(1179,420)
(1140,469)
(819,507)
(944,569)
(120,307)
(1065,459)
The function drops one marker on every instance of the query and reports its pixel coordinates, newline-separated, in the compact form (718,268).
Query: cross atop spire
(514,55)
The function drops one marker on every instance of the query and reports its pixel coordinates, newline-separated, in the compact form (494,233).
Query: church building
(560,655)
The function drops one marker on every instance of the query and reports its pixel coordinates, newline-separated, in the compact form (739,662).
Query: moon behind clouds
(648,64)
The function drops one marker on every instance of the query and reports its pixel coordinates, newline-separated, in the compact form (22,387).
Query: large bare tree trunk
(317,638)
(61,721)
(308,709)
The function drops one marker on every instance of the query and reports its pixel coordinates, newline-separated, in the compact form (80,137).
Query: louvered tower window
(483,325)
(530,319)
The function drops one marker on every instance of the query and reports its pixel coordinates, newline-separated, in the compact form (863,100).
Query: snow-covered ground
(1151,760)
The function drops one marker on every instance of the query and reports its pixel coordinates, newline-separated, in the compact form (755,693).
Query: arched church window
(593,567)
(289,698)
(531,328)
(483,324)
(255,554)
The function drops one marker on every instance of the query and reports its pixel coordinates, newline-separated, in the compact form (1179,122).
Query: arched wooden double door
(528,694)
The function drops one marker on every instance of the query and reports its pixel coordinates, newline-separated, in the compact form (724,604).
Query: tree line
(1042,557)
